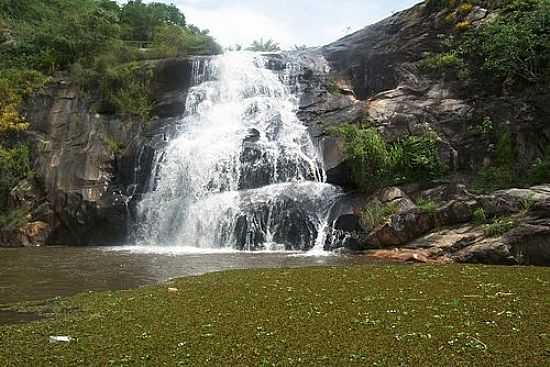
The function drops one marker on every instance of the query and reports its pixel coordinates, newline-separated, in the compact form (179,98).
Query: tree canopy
(264,46)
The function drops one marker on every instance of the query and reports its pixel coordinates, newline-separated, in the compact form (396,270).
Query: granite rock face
(375,76)
(92,167)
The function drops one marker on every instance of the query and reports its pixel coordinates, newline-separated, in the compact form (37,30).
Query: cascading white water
(242,171)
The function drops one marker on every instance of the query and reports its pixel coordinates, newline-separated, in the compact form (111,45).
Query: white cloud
(231,25)
(289,22)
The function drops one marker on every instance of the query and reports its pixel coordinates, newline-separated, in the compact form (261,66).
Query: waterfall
(242,171)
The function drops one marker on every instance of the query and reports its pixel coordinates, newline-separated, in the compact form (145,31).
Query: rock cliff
(91,167)
(376,77)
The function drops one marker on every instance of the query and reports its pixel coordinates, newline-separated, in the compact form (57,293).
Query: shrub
(16,84)
(114,145)
(499,227)
(442,62)
(494,178)
(15,164)
(416,158)
(377,213)
(264,46)
(14,218)
(540,171)
(479,216)
(504,152)
(426,206)
(375,164)
(516,45)
(368,155)
(450,18)
(127,89)
(527,203)
(463,26)
(170,41)
(501,174)
(464,9)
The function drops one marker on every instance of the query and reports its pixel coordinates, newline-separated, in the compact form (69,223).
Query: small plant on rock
(479,216)
(426,206)
(377,213)
(499,227)
(464,9)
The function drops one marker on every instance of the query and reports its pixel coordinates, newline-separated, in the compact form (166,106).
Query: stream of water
(242,172)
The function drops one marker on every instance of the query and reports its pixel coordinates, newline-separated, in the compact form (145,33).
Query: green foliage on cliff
(516,45)
(139,20)
(16,84)
(92,36)
(15,164)
(170,40)
(501,174)
(540,171)
(513,48)
(499,226)
(375,163)
(127,89)
(52,35)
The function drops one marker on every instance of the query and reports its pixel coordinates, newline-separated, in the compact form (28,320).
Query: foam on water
(242,172)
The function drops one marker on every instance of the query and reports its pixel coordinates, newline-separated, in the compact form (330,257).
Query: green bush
(515,46)
(15,164)
(416,158)
(441,62)
(170,41)
(499,227)
(91,38)
(377,213)
(114,146)
(539,173)
(426,206)
(376,164)
(16,84)
(368,155)
(14,218)
(464,9)
(479,216)
(501,173)
(128,89)
(52,35)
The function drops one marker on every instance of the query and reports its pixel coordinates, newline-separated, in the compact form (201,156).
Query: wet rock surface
(92,166)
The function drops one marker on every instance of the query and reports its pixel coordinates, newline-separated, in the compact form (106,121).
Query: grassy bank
(363,315)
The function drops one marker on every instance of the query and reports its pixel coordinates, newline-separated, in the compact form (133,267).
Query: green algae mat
(344,316)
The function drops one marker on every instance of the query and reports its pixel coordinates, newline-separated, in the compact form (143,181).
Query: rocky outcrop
(92,166)
(376,77)
(414,231)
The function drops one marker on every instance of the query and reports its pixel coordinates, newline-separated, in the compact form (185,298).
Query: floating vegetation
(361,315)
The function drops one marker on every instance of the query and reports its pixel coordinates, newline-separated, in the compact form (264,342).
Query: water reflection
(42,273)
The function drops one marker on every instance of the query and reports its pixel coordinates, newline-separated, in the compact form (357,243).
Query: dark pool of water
(29,274)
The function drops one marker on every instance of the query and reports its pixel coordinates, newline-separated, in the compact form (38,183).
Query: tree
(140,20)
(516,45)
(261,46)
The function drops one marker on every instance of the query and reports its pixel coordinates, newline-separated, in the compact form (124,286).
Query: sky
(289,22)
